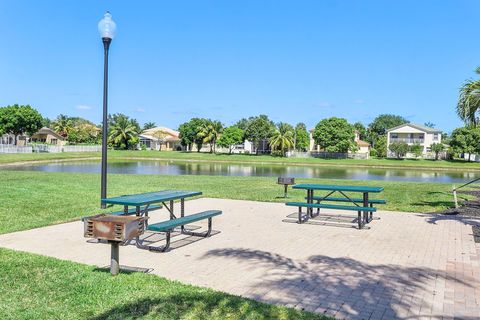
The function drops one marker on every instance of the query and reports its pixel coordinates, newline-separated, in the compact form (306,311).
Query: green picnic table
(144,201)
(365,207)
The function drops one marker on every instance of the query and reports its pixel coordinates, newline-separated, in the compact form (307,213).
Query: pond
(270,170)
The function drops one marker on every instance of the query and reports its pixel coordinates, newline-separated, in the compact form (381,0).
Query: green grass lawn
(37,287)
(33,199)
(194,156)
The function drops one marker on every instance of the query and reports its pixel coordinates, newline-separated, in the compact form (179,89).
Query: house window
(53,141)
(393,135)
(435,137)
(421,136)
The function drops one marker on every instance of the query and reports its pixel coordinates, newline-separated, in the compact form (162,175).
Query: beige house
(48,136)
(160,138)
(411,134)
(363,146)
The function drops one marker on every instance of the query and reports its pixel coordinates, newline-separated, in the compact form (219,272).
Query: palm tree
(149,125)
(63,125)
(468,104)
(210,132)
(282,140)
(123,133)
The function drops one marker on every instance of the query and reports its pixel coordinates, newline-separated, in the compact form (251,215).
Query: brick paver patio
(407,266)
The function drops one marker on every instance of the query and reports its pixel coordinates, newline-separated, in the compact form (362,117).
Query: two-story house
(411,134)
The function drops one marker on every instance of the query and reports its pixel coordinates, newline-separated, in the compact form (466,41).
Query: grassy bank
(194,156)
(34,199)
(37,287)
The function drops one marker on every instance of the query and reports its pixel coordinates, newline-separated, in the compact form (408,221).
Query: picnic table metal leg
(359,219)
(182,212)
(365,204)
(310,200)
(172,216)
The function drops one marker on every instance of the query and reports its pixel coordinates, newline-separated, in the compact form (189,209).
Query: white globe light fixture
(107,27)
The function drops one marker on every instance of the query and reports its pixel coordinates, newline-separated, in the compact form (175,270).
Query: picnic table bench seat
(356,200)
(330,206)
(169,225)
(319,206)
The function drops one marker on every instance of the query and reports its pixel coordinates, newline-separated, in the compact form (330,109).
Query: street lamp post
(107,28)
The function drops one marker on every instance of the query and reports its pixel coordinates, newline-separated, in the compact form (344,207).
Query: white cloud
(141,110)
(323,104)
(83,107)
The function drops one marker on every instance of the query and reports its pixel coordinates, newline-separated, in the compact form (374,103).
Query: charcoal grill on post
(286,182)
(114,229)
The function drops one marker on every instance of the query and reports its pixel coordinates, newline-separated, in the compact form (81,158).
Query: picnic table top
(151,197)
(337,188)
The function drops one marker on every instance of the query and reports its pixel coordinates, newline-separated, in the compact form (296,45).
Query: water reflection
(205,168)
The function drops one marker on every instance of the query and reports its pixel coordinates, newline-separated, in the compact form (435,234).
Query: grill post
(114,260)
(286,182)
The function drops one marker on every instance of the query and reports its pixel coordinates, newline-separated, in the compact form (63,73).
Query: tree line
(20,120)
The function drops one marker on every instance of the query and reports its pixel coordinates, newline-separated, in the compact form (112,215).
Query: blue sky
(297,61)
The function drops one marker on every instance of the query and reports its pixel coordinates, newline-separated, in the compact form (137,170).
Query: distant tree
(445,138)
(429,124)
(283,138)
(84,133)
(161,136)
(437,148)
(416,149)
(46,122)
(335,135)
(148,125)
(284,127)
(381,147)
(381,124)
(189,133)
(362,131)
(465,140)
(399,148)
(258,129)
(123,132)
(302,138)
(63,125)
(231,136)
(242,124)
(209,132)
(468,105)
(19,119)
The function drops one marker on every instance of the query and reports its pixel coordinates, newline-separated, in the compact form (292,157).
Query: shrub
(399,148)
(416,149)
(373,153)
(277,153)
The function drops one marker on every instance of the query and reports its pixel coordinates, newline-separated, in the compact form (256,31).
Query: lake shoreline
(264,163)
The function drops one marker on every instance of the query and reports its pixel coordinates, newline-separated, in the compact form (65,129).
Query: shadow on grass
(342,287)
(200,305)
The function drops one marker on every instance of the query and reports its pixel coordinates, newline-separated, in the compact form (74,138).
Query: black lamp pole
(106,46)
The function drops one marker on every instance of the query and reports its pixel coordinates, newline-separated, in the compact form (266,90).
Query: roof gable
(46,130)
(416,126)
